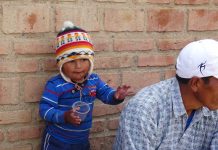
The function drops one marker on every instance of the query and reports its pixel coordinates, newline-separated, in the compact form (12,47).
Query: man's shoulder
(154,96)
(158,89)
(215,114)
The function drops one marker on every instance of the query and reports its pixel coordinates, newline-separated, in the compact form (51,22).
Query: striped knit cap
(73,43)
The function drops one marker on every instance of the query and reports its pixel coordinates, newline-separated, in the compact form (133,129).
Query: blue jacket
(59,96)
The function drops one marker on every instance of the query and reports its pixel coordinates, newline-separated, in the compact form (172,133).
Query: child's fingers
(126,87)
(122,92)
(75,118)
(75,109)
(119,88)
(77,121)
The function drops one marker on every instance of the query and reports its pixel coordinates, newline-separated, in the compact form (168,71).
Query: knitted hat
(73,43)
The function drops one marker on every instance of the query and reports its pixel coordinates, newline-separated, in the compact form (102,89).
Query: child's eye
(72,61)
(84,59)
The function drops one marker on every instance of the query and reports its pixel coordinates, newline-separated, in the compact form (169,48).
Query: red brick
(169,74)
(49,64)
(112,79)
(102,143)
(113,62)
(16,147)
(124,20)
(128,44)
(22,147)
(9,90)
(67,0)
(123,104)
(169,44)
(33,47)
(18,116)
(103,109)
(191,1)
(87,18)
(113,124)
(23,133)
(26,18)
(37,146)
(33,88)
(215,1)
(165,20)
(19,66)
(138,80)
(5,47)
(36,115)
(201,20)
(155,60)
(153,1)
(111,0)
(98,126)
(27,66)
(101,44)
(1,136)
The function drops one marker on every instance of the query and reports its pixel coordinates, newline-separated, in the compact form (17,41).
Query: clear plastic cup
(82,109)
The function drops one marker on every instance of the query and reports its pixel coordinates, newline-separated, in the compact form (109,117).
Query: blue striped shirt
(59,96)
(156,119)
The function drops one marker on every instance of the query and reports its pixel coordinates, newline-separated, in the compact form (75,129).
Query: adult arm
(214,142)
(137,127)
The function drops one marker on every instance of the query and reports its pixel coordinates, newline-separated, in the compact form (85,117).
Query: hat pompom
(67,24)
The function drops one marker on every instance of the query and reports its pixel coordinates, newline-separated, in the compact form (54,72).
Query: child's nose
(78,64)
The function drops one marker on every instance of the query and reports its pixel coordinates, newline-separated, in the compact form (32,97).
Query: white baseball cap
(198,58)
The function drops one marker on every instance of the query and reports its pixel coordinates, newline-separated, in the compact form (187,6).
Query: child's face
(77,69)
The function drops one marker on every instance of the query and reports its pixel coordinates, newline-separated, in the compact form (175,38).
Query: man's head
(197,66)
(73,43)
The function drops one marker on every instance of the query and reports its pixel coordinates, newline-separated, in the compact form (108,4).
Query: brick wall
(136,43)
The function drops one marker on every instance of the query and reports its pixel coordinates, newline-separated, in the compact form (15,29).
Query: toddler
(64,128)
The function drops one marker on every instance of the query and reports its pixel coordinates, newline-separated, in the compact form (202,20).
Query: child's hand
(71,117)
(122,92)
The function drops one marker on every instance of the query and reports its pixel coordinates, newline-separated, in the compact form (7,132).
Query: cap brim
(216,76)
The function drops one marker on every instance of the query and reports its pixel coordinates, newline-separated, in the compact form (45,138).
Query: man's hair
(185,80)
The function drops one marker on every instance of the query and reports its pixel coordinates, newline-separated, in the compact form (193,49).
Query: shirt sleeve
(214,143)
(105,93)
(137,128)
(48,106)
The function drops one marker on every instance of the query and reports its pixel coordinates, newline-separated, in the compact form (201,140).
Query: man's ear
(194,83)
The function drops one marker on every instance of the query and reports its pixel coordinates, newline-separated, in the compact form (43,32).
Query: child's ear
(195,83)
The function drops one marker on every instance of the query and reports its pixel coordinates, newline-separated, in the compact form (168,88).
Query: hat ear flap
(91,66)
(63,75)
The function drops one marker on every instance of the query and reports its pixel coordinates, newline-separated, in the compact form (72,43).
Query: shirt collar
(206,111)
(178,106)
